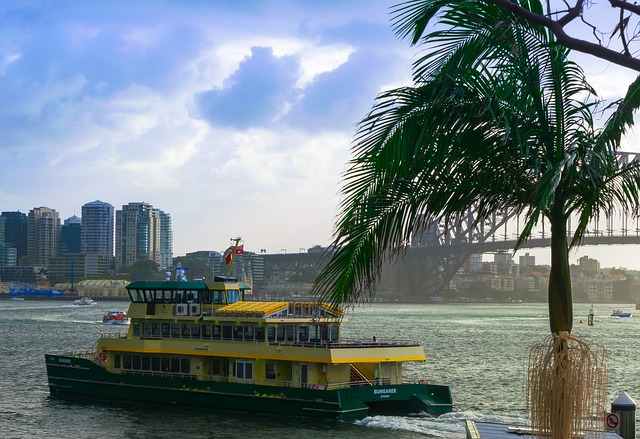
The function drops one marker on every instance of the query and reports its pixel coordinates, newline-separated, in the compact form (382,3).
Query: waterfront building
(70,233)
(143,233)
(166,240)
(15,232)
(43,236)
(71,267)
(8,256)
(97,228)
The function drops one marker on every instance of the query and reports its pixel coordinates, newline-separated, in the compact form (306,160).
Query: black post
(625,408)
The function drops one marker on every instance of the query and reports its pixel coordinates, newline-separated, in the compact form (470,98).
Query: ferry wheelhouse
(200,343)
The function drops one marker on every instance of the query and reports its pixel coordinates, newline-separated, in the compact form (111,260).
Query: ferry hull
(80,377)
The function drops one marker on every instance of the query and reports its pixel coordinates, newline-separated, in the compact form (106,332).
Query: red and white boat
(115,318)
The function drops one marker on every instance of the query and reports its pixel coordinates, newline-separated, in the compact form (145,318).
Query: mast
(231,253)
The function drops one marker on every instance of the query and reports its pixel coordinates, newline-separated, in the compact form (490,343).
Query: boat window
(249,333)
(244,370)
(280,333)
(185,365)
(192,296)
(126,361)
(290,333)
(179,297)
(303,333)
(271,333)
(216,331)
(155,364)
(226,332)
(175,331)
(186,331)
(237,333)
(116,361)
(175,365)
(166,330)
(164,296)
(270,371)
(219,297)
(135,362)
(233,295)
(155,329)
(219,367)
(137,296)
(146,329)
(146,363)
(314,334)
(136,328)
(206,332)
(195,331)
(259,333)
(207,296)
(334,332)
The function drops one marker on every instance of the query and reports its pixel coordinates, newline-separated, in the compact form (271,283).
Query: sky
(236,118)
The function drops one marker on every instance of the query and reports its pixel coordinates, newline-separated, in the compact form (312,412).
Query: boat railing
(112,335)
(345,344)
(268,382)
(165,374)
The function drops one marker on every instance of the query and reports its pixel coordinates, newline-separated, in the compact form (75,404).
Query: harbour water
(480,350)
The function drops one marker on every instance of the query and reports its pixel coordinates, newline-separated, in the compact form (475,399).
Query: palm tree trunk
(560,295)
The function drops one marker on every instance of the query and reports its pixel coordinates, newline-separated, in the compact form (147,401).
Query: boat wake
(450,425)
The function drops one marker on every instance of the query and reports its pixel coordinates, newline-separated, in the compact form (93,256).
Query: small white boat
(115,318)
(84,301)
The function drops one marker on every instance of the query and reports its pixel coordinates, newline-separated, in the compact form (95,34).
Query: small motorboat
(115,318)
(621,314)
(84,301)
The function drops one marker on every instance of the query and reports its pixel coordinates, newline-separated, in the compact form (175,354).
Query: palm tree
(498,119)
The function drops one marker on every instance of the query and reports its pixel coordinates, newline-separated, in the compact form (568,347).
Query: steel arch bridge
(437,253)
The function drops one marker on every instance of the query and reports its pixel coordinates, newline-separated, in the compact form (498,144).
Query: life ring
(103,356)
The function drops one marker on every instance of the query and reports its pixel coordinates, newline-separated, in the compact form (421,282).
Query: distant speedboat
(84,301)
(115,318)
(620,314)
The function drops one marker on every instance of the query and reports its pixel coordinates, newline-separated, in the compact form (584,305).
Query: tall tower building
(43,236)
(166,241)
(142,233)
(15,233)
(97,228)
(70,233)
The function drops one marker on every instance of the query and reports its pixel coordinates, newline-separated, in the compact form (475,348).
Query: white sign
(612,421)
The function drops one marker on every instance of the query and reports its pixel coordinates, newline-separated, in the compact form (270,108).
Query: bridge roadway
(508,245)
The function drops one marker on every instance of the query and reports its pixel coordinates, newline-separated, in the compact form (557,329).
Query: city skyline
(238,120)
(95,218)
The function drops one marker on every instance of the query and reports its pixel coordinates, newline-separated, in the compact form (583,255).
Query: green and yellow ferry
(199,343)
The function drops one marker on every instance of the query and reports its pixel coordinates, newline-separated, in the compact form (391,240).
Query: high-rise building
(166,240)
(70,234)
(97,228)
(15,233)
(143,233)
(43,236)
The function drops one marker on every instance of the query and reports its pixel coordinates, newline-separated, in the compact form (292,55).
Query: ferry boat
(199,343)
(84,301)
(113,317)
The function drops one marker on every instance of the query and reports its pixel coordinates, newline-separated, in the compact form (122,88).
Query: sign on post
(612,421)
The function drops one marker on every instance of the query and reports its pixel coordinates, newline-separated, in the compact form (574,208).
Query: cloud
(254,95)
